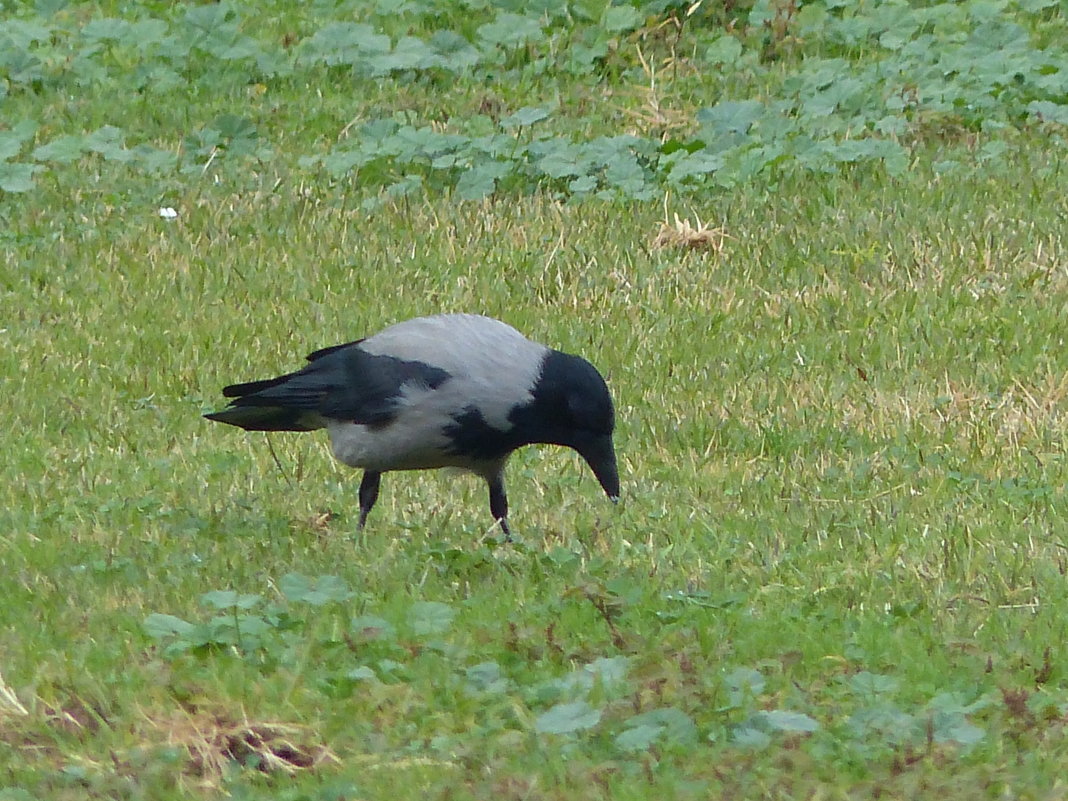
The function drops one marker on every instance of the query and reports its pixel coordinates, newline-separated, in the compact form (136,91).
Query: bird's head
(572,407)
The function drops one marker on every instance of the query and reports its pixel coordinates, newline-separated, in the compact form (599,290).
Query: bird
(449,390)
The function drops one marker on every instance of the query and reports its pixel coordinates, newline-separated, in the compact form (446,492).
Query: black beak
(600,455)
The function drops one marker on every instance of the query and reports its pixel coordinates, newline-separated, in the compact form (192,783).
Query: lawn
(819,254)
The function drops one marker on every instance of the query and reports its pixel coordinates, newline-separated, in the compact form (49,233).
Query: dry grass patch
(208,742)
(684,234)
(215,740)
(9,702)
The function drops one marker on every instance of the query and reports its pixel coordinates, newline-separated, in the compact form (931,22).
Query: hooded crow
(454,390)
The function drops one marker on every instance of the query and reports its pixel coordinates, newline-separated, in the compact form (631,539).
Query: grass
(837,571)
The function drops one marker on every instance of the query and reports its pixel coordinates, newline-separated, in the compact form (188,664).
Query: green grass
(838,569)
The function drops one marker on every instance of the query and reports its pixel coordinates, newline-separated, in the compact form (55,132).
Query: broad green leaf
(23,32)
(752,738)
(624,172)
(480,181)
(743,684)
(152,160)
(408,54)
(220,599)
(232,126)
(686,165)
(11,141)
(246,630)
(583,184)
(209,17)
(731,116)
(317,592)
(606,149)
(955,703)
(228,599)
(328,589)
(638,738)
(783,720)
(159,626)
(564,161)
(962,732)
(884,722)
(487,677)
(10,145)
(16,177)
(447,161)
(617,19)
(430,617)
(107,141)
(157,79)
(811,19)
(581,57)
(1047,111)
(609,670)
(391,669)
(892,125)
(895,158)
(146,33)
(253,626)
(993,150)
(511,30)
(16,794)
(407,185)
(865,683)
(667,725)
(46,8)
(678,726)
(341,162)
(105,29)
(236,49)
(567,718)
(454,51)
(62,149)
(843,94)
(345,43)
(526,116)
(294,586)
(724,50)
(760,13)
(23,67)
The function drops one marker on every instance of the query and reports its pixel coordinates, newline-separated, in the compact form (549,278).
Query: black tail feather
(315,355)
(287,403)
(248,388)
(267,418)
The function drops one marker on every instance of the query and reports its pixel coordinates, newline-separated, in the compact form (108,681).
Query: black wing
(315,355)
(343,382)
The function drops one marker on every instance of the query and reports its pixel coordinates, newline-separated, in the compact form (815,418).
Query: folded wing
(341,383)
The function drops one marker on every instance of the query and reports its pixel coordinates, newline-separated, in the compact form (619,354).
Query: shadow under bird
(454,390)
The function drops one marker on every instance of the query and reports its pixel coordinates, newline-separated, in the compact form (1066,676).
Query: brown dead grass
(211,741)
(215,740)
(684,234)
(9,702)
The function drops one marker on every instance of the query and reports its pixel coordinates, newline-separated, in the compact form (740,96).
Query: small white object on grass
(167,213)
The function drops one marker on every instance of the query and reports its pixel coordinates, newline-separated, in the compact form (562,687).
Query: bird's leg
(499,504)
(368,493)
